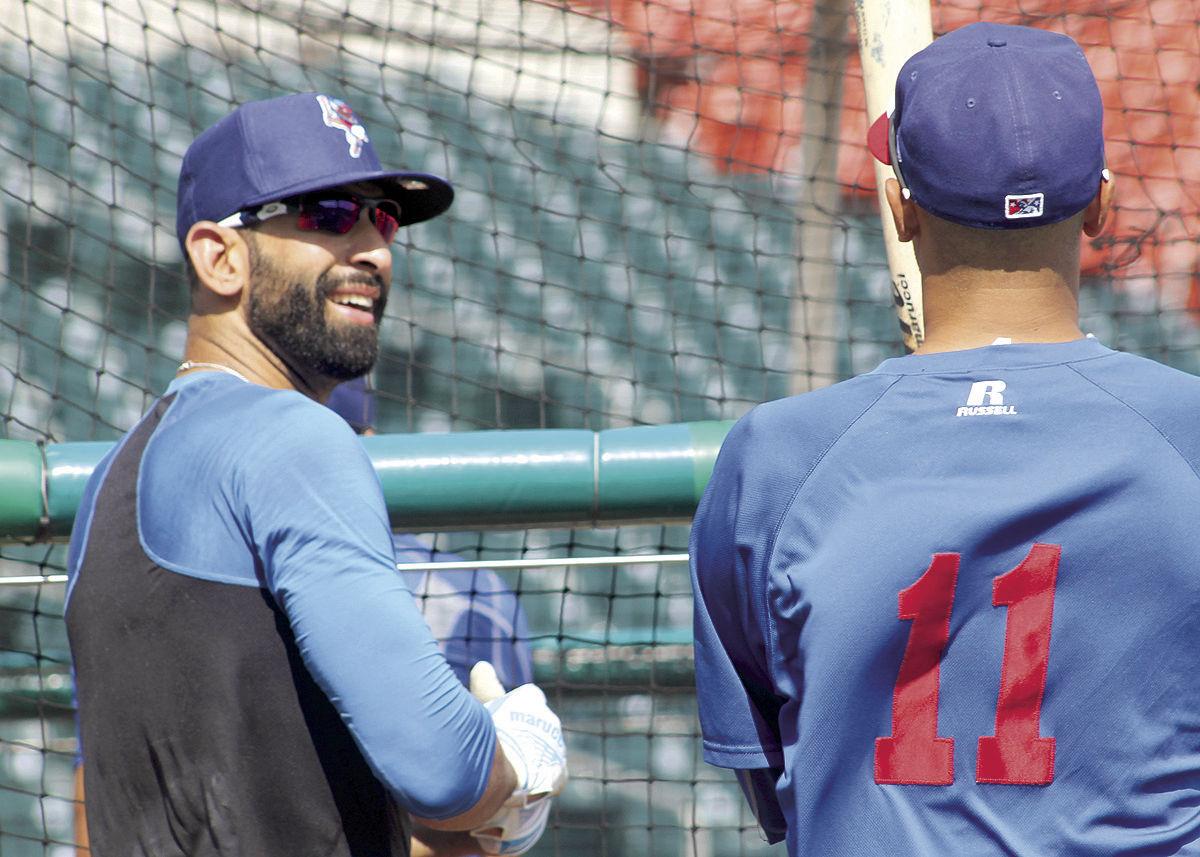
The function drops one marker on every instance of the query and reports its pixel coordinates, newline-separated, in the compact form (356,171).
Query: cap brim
(421,196)
(877,139)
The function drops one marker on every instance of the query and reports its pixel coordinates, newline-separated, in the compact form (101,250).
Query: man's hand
(531,736)
(484,683)
(427,842)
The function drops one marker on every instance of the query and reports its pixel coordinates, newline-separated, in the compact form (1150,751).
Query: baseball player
(253,677)
(950,607)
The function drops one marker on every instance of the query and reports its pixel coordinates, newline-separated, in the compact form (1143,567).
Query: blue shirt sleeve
(735,693)
(741,686)
(314,509)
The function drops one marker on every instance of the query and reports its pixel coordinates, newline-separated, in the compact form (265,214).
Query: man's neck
(249,357)
(971,308)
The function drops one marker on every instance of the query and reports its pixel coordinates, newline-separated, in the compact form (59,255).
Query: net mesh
(665,212)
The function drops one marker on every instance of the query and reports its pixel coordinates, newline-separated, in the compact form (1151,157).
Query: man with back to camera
(950,606)
(253,677)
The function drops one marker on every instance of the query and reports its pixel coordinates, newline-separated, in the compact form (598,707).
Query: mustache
(327,285)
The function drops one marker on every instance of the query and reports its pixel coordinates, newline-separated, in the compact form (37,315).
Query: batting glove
(531,736)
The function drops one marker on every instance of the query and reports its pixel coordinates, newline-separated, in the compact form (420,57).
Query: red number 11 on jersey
(1016,754)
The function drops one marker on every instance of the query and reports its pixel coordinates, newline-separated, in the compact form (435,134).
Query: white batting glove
(531,736)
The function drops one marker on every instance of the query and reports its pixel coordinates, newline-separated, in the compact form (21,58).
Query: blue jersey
(252,673)
(472,613)
(952,606)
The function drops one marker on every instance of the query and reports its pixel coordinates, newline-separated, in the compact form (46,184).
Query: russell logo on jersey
(986,399)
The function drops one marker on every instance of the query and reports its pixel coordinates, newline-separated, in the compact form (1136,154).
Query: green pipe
(462,480)
(542,477)
(485,478)
(655,472)
(21,498)
(68,466)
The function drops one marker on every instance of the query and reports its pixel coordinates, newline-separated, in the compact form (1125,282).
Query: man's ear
(1097,211)
(904,211)
(220,257)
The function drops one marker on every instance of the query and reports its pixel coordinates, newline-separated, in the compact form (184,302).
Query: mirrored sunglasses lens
(387,220)
(329,215)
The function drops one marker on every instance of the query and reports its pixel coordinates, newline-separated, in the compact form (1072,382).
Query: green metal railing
(462,480)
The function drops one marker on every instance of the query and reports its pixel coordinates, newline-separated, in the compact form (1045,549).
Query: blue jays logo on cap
(338,114)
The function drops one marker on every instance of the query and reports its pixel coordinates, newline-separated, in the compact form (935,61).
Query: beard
(291,318)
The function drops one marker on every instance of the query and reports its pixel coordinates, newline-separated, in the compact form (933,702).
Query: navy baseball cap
(265,151)
(354,402)
(996,127)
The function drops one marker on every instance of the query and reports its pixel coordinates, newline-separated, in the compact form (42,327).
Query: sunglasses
(336,213)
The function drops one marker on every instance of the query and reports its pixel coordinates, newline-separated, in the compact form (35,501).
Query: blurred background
(665,213)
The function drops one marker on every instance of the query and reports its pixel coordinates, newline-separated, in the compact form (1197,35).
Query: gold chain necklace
(200,364)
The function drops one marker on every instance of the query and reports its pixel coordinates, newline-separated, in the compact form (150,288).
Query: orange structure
(725,78)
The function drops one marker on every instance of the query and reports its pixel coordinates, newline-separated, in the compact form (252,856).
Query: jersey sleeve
(735,693)
(315,512)
(765,460)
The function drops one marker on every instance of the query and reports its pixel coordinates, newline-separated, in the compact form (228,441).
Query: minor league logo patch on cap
(1017,206)
(338,114)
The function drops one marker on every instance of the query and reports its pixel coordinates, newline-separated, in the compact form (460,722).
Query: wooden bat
(889,32)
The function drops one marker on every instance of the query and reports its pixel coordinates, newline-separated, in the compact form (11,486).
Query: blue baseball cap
(996,127)
(266,151)
(354,402)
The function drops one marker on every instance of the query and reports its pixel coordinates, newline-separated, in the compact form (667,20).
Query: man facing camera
(253,677)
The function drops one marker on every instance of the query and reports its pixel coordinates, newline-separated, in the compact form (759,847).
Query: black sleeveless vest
(203,733)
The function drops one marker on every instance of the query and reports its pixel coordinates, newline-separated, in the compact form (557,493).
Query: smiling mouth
(360,302)
(357,299)
(356,310)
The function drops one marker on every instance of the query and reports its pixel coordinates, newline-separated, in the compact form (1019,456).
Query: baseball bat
(889,32)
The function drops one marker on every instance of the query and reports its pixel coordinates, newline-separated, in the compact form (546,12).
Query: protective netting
(665,212)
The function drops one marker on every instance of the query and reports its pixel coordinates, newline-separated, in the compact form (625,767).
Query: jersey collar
(1015,356)
(181,381)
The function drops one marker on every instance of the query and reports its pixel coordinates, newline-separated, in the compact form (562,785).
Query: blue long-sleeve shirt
(249,663)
